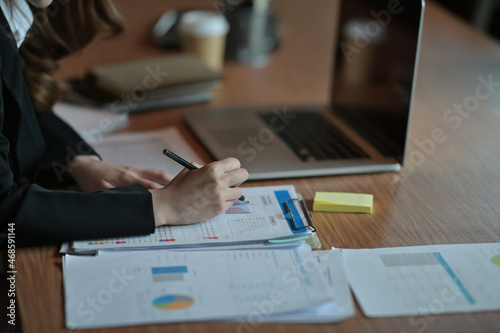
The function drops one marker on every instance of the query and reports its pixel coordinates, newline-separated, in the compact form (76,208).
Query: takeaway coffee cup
(363,50)
(203,33)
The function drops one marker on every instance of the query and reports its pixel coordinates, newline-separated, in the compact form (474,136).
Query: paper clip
(310,224)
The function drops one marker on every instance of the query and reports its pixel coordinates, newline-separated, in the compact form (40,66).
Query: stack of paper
(235,278)
(245,286)
(262,220)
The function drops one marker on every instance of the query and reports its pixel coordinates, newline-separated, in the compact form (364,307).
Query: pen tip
(165,151)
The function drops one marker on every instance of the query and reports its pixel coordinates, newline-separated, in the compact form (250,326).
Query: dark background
(484,14)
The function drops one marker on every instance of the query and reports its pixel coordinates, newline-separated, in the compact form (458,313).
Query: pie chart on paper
(173,302)
(496,260)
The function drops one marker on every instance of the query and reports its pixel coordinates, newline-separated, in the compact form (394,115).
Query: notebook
(365,127)
(146,84)
(155,78)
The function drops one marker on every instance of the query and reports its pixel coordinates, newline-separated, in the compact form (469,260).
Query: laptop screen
(375,67)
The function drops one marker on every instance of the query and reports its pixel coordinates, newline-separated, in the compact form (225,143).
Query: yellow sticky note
(343,202)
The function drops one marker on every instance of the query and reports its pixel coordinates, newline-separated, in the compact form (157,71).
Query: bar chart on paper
(425,280)
(239,207)
(169,273)
(429,272)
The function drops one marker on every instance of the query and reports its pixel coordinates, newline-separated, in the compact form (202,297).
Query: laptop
(365,127)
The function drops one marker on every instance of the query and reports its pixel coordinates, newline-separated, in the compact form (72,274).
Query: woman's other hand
(92,174)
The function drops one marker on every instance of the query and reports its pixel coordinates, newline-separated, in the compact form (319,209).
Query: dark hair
(63,28)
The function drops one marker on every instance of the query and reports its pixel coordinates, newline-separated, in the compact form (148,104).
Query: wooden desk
(450,195)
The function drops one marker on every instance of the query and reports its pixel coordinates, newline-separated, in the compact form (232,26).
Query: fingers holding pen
(199,194)
(222,177)
(227,173)
(217,170)
(237,174)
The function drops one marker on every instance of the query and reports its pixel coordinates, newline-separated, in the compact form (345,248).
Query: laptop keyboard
(312,137)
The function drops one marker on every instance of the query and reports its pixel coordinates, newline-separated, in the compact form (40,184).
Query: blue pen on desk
(188,165)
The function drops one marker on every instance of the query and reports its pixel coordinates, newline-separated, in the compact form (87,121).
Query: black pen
(189,166)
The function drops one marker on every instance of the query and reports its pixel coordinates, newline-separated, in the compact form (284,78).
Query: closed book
(80,93)
(154,78)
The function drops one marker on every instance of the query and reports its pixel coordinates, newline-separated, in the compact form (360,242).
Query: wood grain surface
(445,194)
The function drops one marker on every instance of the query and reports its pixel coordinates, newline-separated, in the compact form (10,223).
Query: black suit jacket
(32,152)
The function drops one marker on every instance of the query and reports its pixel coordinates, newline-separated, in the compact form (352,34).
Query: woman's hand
(198,195)
(92,174)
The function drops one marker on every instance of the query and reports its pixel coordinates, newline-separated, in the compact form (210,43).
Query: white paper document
(145,149)
(263,218)
(332,265)
(90,123)
(140,149)
(120,288)
(423,280)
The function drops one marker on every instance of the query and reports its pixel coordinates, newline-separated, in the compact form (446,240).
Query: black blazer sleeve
(42,216)
(45,216)
(63,144)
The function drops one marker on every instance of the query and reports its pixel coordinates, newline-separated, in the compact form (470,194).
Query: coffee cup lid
(203,23)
